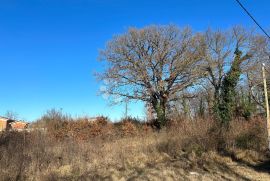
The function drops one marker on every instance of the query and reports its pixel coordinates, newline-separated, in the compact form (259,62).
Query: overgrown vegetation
(78,149)
(227,105)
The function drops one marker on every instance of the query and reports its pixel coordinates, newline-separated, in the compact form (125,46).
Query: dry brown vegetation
(129,150)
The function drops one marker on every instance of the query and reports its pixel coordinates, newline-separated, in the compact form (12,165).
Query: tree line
(177,71)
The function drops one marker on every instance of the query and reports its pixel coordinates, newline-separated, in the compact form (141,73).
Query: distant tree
(11,115)
(152,64)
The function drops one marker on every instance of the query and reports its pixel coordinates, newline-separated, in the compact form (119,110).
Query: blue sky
(49,48)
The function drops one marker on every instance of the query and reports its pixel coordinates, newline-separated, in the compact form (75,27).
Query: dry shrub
(79,130)
(188,136)
(102,121)
(58,129)
(202,135)
(128,128)
(61,127)
(249,134)
(83,129)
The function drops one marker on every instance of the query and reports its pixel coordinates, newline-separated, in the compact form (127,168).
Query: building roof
(1,117)
(13,120)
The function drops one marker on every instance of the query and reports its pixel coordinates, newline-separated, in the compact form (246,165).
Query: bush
(253,137)
(129,128)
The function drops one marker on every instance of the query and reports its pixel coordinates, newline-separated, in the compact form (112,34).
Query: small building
(4,123)
(9,124)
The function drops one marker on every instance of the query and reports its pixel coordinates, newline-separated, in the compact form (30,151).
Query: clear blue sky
(49,48)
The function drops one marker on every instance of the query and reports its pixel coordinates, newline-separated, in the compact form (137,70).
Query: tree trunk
(216,102)
(159,106)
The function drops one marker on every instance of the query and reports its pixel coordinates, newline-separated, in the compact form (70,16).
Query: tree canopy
(156,63)
(152,64)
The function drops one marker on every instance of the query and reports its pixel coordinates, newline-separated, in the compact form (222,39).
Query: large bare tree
(152,64)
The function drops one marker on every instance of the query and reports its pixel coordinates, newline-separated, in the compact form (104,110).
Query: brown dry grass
(101,150)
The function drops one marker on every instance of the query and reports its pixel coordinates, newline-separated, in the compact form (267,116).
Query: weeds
(77,149)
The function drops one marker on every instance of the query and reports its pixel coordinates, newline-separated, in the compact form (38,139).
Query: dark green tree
(227,104)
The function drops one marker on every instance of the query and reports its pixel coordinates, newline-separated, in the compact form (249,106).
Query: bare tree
(152,64)
(217,56)
(230,55)
(11,115)
(252,70)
